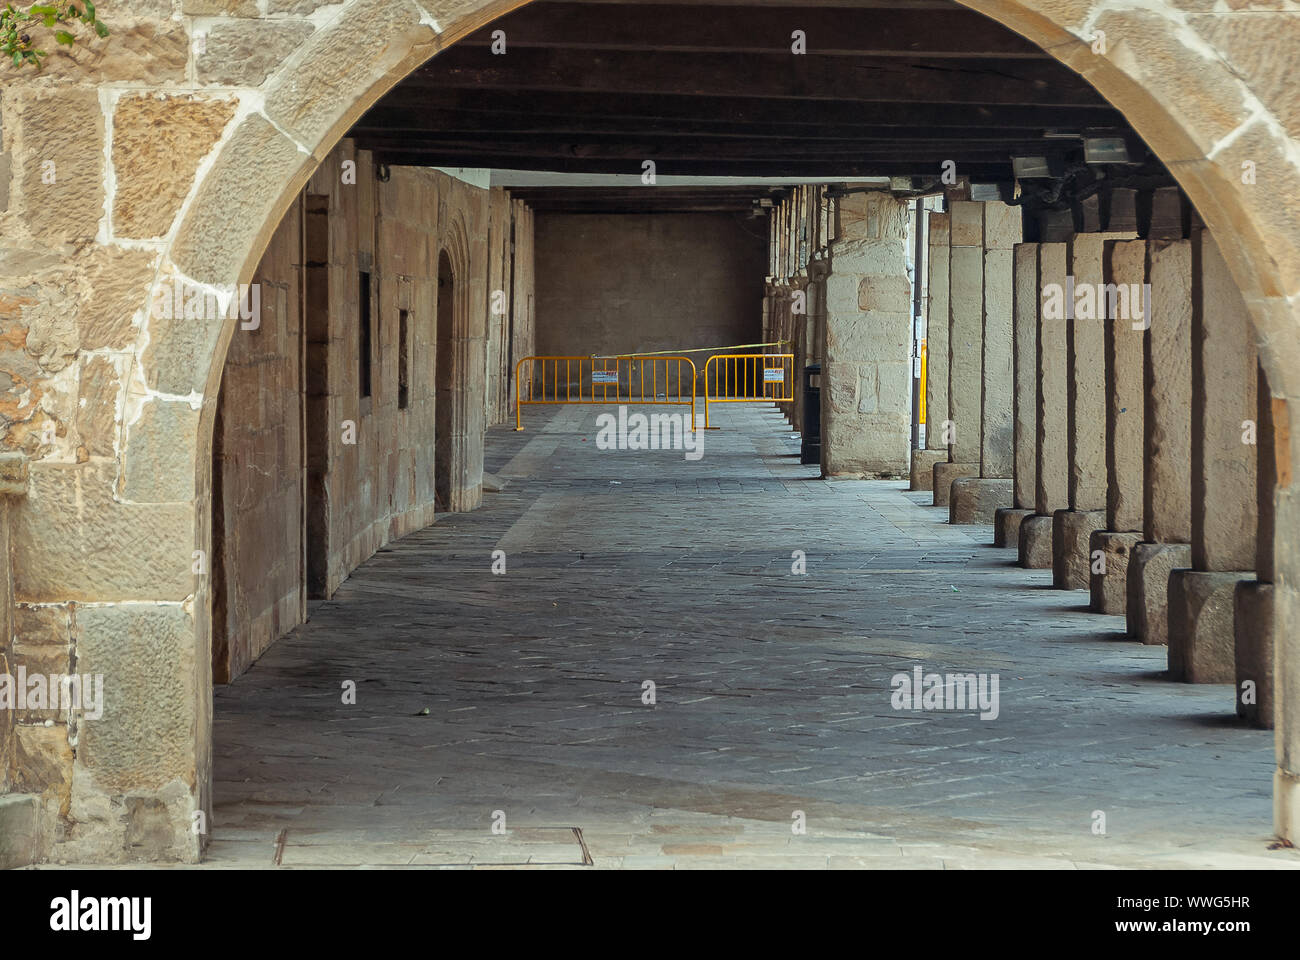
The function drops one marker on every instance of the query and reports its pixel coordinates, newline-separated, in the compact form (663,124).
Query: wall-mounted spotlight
(1105,150)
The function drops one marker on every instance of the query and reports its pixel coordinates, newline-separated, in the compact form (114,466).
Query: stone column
(867,369)
(977,500)
(1224,378)
(1166,481)
(1006,522)
(936,356)
(965,346)
(1126,327)
(1086,412)
(1051,490)
(1253,622)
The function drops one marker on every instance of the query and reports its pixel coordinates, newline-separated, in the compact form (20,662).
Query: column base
(1147,608)
(976,499)
(1071,563)
(1286,805)
(1006,526)
(1252,629)
(1108,590)
(1035,544)
(1201,640)
(923,462)
(945,473)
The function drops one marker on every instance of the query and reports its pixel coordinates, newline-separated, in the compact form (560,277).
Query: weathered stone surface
(179,351)
(1052,490)
(965,332)
(997,421)
(1025,347)
(1147,607)
(1224,377)
(1253,643)
(1261,49)
(243,53)
(61,166)
(945,472)
(158,143)
(13,473)
(936,335)
(1108,589)
(1071,558)
(247,178)
(1086,374)
(923,461)
(100,388)
(153,51)
(160,447)
(1035,546)
(1201,631)
(1006,526)
(43,761)
(230,8)
(1125,389)
(1167,485)
(144,739)
(976,499)
(104,550)
(19,834)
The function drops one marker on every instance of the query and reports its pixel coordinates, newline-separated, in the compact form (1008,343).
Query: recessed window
(403,362)
(364,335)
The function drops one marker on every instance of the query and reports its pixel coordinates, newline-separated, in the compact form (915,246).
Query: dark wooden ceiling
(886,88)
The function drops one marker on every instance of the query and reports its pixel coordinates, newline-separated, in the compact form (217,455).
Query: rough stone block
(1108,588)
(923,462)
(1035,544)
(1253,646)
(1147,607)
(13,474)
(1006,526)
(19,830)
(1201,631)
(1071,558)
(945,473)
(976,499)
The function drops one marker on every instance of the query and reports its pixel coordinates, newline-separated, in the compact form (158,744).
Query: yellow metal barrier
(622,380)
(746,378)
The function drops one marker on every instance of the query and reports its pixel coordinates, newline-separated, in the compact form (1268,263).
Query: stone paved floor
(522,693)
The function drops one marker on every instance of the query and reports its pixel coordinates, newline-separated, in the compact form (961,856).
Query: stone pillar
(936,356)
(1051,491)
(1253,622)
(1006,529)
(867,369)
(965,346)
(978,500)
(1126,326)
(1224,377)
(1086,414)
(1166,481)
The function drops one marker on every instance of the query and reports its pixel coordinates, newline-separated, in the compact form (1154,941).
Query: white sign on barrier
(773,375)
(604,376)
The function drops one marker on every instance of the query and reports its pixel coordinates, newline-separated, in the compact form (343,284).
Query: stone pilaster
(981,498)
(1086,413)
(965,346)
(1051,490)
(1166,481)
(1224,496)
(1125,332)
(936,356)
(867,382)
(1253,622)
(1006,531)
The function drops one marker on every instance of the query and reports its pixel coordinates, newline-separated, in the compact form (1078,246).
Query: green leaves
(18,47)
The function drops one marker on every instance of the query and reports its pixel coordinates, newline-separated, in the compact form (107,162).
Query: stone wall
(297,434)
(621,283)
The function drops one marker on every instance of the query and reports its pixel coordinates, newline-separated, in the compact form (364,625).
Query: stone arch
(1192,84)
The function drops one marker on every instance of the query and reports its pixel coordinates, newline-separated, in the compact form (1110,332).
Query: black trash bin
(811,451)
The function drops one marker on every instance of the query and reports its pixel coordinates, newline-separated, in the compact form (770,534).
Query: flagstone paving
(521,695)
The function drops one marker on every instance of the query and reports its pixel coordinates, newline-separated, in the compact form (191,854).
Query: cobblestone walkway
(522,693)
